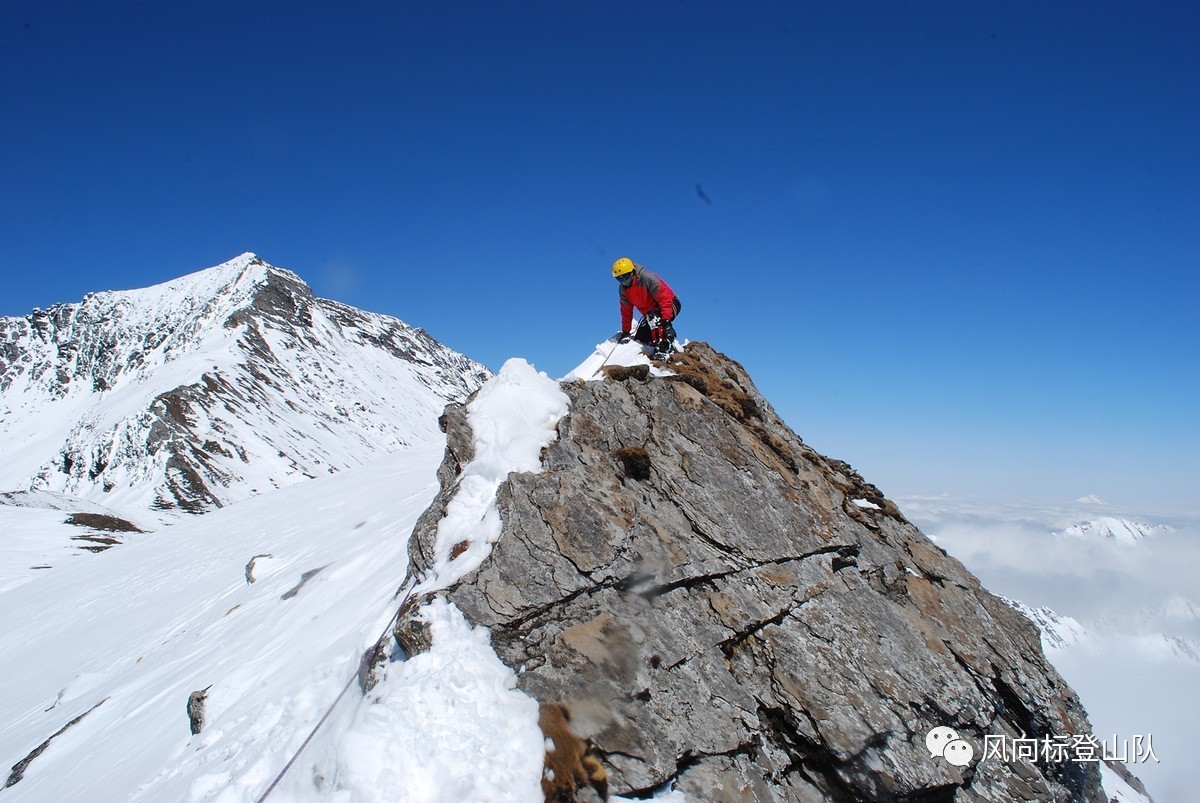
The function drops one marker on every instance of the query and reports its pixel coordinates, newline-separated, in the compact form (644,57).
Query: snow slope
(611,353)
(1058,632)
(1118,789)
(137,629)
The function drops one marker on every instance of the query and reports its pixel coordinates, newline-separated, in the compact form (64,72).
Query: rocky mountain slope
(732,613)
(211,388)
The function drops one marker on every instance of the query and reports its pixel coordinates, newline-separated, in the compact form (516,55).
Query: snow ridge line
(407,591)
(513,417)
(614,348)
(606,359)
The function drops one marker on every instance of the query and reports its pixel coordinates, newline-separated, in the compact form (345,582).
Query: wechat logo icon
(946,744)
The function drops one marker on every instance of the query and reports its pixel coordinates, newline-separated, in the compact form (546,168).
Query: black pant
(643,335)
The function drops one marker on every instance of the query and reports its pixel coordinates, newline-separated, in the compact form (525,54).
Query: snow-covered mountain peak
(210,388)
(1058,632)
(1115,529)
(243,270)
(1182,608)
(231,281)
(110,336)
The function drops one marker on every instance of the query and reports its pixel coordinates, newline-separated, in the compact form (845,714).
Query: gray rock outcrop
(195,709)
(755,621)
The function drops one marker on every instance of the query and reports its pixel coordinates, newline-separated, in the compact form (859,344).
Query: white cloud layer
(1137,664)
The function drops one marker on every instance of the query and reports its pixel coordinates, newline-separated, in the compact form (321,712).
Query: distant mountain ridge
(1058,632)
(1116,529)
(208,389)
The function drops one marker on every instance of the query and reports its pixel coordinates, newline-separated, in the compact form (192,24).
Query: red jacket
(648,293)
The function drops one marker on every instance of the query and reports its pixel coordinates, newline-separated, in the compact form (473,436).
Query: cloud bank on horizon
(1130,642)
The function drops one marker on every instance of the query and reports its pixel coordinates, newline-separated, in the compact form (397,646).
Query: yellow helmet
(622,266)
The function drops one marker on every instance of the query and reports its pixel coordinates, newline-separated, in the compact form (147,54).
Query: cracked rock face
(756,621)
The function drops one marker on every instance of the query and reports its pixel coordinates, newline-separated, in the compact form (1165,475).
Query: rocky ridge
(743,617)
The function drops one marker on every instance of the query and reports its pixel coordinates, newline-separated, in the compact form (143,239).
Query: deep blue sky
(955,243)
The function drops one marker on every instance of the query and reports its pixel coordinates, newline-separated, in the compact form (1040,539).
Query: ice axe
(614,348)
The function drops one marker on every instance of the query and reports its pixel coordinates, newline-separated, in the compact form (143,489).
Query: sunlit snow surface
(35,536)
(445,726)
(513,417)
(143,625)
(611,353)
(1120,530)
(1117,789)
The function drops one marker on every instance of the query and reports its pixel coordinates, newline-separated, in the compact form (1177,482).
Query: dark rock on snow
(18,769)
(195,709)
(758,622)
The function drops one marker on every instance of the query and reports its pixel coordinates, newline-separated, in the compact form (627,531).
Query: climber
(654,299)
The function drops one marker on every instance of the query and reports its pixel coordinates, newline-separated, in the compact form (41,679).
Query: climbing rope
(370,651)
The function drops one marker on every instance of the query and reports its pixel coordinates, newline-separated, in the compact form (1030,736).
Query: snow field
(143,625)
(447,725)
(1117,789)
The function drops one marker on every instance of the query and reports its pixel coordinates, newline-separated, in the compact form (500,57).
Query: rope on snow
(407,591)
